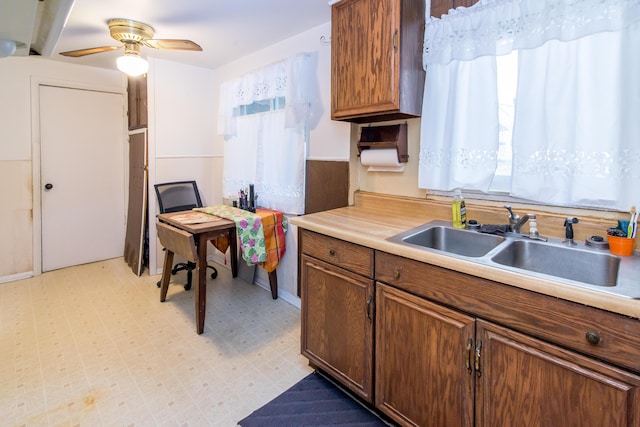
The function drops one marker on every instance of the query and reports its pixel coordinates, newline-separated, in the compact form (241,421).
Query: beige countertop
(373,218)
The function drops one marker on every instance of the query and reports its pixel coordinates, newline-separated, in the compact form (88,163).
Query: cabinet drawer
(598,333)
(347,255)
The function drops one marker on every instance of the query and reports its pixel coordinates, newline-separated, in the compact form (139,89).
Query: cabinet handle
(396,274)
(593,337)
(477,365)
(332,252)
(395,40)
(369,308)
(469,355)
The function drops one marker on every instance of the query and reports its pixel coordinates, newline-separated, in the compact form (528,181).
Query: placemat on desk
(194,218)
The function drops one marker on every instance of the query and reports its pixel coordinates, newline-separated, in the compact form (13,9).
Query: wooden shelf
(390,136)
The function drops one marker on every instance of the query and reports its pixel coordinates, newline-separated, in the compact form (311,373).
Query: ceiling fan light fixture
(132,63)
(7,48)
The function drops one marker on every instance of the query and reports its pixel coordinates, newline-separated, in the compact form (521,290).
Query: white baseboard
(14,277)
(282,294)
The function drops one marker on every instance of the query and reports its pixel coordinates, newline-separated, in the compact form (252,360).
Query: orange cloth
(221,243)
(274,237)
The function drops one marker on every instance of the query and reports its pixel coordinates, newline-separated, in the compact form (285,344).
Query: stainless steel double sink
(578,265)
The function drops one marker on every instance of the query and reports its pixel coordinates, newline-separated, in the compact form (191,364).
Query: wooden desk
(178,242)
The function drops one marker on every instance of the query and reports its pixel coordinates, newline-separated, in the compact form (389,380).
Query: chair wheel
(159,283)
(214,274)
(187,286)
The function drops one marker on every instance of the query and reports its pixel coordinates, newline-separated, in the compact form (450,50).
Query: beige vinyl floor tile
(92,345)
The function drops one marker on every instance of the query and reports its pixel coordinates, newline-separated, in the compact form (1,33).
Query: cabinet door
(337,323)
(365,37)
(525,382)
(424,354)
(137,88)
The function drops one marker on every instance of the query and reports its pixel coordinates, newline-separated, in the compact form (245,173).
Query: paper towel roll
(381,160)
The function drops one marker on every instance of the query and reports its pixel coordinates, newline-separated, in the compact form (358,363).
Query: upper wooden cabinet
(376,60)
(137,102)
(440,7)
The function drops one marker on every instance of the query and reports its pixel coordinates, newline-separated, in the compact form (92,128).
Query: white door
(81,175)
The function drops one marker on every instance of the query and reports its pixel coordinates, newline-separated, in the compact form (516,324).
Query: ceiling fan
(133,35)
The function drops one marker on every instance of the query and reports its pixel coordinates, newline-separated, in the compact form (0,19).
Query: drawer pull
(395,40)
(332,252)
(396,274)
(370,308)
(477,359)
(593,337)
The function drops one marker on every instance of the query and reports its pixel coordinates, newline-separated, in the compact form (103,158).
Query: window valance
(496,27)
(292,78)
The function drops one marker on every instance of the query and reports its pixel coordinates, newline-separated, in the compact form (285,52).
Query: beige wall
(396,183)
(16,250)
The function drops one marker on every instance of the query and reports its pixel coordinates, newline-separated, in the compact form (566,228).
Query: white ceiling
(225,29)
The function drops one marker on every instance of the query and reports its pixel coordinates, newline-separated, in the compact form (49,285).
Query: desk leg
(201,288)
(166,274)
(273,284)
(233,247)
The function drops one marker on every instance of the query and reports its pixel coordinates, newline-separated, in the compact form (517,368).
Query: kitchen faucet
(516,222)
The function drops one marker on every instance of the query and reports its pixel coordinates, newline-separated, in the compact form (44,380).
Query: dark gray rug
(314,401)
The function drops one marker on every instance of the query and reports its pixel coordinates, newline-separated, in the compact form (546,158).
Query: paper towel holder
(389,136)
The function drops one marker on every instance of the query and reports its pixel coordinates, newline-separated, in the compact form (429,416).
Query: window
(555,123)
(261,106)
(507,73)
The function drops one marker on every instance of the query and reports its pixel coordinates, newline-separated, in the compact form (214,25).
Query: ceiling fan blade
(90,51)
(172,44)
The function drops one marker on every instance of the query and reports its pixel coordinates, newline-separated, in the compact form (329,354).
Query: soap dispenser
(458,210)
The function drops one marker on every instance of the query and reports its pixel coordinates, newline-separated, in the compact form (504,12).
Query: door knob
(48,186)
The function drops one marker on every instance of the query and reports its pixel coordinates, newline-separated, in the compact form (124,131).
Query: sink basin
(453,240)
(575,266)
(593,268)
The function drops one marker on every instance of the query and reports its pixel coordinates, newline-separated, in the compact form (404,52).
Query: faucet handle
(511,214)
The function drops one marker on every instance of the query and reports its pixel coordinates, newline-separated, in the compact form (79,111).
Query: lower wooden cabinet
(452,349)
(437,366)
(522,381)
(337,324)
(423,368)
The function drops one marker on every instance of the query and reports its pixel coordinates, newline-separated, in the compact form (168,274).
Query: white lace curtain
(575,128)
(269,149)
(270,156)
(496,27)
(294,79)
(581,146)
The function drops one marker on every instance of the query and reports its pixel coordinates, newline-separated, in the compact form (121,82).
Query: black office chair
(175,197)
